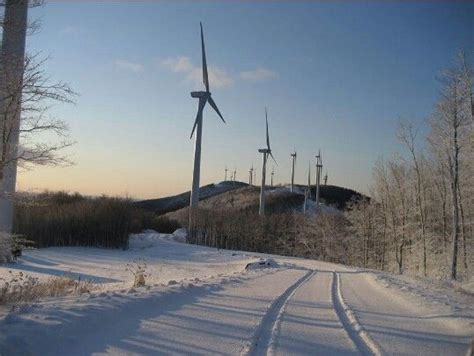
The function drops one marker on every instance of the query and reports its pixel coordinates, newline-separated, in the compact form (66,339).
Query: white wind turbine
(319,167)
(251,175)
(293,159)
(204,97)
(272,174)
(265,153)
(326,179)
(307,192)
(225,176)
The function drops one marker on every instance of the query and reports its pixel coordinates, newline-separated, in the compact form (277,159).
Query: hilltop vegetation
(62,219)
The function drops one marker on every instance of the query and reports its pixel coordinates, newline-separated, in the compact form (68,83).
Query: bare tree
(447,130)
(407,135)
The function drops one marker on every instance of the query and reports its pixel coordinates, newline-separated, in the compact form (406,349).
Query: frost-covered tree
(422,208)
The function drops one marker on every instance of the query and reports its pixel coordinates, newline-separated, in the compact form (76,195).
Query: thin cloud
(178,65)
(218,77)
(124,65)
(258,74)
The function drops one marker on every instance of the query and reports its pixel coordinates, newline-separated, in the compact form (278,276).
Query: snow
(200,300)
(163,256)
(262,263)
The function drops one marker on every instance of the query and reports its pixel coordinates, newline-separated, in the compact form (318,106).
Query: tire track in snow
(354,329)
(264,339)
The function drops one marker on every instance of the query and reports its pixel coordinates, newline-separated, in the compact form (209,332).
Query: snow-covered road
(300,308)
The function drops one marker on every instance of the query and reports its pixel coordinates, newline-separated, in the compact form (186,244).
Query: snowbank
(262,263)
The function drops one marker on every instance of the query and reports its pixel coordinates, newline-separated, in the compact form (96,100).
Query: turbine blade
(214,106)
(273,158)
(202,102)
(205,77)
(266,123)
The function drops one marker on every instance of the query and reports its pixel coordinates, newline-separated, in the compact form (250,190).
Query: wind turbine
(265,153)
(307,192)
(293,158)
(326,179)
(204,97)
(272,174)
(235,174)
(225,177)
(251,175)
(319,167)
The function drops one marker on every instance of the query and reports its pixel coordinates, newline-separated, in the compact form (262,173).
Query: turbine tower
(272,174)
(225,176)
(326,179)
(307,192)
(235,174)
(204,97)
(293,158)
(251,175)
(265,153)
(319,167)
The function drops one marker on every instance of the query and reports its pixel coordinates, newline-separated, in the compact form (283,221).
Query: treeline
(421,217)
(61,219)
(284,233)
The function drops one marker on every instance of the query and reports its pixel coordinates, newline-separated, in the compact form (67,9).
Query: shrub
(61,219)
(6,243)
(138,269)
(20,287)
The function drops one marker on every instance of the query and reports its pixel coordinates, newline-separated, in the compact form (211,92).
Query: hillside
(278,199)
(164,205)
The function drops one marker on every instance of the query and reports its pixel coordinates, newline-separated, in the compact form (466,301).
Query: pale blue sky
(334,75)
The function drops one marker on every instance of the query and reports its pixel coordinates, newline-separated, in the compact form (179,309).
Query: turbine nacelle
(265,150)
(200,94)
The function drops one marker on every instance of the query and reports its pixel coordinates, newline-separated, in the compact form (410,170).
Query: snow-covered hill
(203,301)
(167,204)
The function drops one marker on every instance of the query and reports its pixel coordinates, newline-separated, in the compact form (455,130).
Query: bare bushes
(285,233)
(61,219)
(138,269)
(20,287)
(6,243)
(75,221)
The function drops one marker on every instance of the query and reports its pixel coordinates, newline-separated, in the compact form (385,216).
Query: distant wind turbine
(326,179)
(272,174)
(204,97)
(307,191)
(251,175)
(225,176)
(293,159)
(319,167)
(265,153)
(235,174)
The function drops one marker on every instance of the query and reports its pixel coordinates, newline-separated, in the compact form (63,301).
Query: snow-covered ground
(295,306)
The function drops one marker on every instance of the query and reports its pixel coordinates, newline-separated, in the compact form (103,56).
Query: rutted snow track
(356,332)
(264,339)
(303,308)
